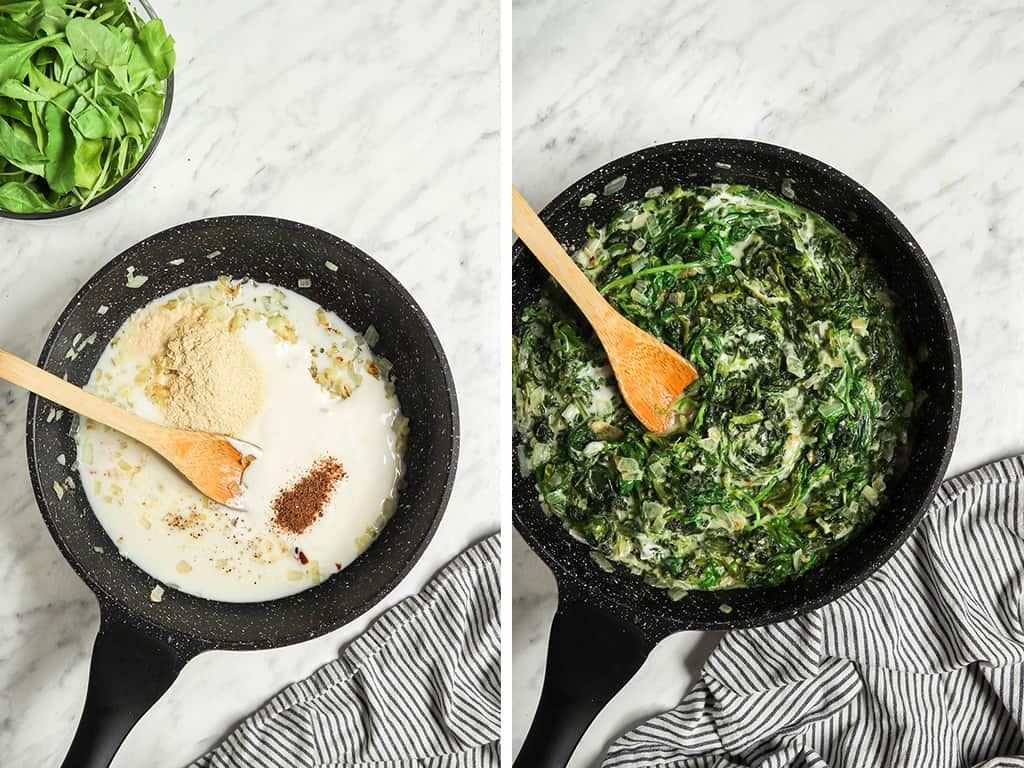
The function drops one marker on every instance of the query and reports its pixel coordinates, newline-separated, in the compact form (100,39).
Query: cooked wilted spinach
(787,440)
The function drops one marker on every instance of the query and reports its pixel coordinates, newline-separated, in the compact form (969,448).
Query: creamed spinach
(788,438)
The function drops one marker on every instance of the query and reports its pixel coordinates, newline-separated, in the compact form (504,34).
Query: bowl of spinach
(85,94)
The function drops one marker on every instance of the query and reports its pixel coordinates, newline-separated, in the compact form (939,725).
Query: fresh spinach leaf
(158,47)
(88,166)
(48,17)
(13,32)
(15,89)
(126,105)
(151,106)
(19,197)
(14,57)
(16,110)
(19,152)
(91,121)
(44,84)
(96,46)
(61,143)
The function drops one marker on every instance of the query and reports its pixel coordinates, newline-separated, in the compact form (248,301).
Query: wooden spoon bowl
(651,375)
(214,464)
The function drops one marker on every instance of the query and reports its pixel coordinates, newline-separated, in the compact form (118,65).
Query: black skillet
(142,646)
(606,624)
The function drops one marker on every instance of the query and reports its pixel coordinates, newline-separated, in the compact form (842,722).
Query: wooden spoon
(214,464)
(651,375)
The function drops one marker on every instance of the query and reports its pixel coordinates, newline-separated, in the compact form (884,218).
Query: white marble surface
(377,121)
(921,102)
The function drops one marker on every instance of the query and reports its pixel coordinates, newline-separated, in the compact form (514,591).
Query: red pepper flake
(302,557)
(298,507)
(338,566)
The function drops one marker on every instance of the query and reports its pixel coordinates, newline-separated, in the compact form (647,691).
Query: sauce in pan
(269,366)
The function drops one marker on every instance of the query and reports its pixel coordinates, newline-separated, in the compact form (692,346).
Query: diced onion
(615,185)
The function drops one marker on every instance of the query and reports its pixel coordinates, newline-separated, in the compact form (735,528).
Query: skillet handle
(130,670)
(591,656)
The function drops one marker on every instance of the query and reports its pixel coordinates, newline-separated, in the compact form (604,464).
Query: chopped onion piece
(615,185)
(135,281)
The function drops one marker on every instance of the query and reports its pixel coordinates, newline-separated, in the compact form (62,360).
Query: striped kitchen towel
(921,665)
(421,687)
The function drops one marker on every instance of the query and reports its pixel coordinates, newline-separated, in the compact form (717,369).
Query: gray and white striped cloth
(421,687)
(919,666)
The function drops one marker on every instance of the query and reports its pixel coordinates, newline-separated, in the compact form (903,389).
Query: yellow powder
(212,381)
(148,335)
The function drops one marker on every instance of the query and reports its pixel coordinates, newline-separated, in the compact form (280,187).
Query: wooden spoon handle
(549,252)
(45,384)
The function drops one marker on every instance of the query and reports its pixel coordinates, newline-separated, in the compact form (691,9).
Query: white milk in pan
(267,365)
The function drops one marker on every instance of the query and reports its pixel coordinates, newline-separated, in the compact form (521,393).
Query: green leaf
(158,48)
(96,46)
(122,158)
(19,197)
(16,89)
(61,142)
(43,84)
(49,17)
(141,75)
(18,8)
(92,122)
(18,151)
(116,13)
(75,75)
(151,106)
(16,110)
(126,104)
(14,56)
(88,165)
(61,52)
(13,32)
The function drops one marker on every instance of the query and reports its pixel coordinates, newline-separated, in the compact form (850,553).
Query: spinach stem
(614,284)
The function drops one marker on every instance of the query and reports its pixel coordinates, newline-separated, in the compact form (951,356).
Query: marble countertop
(920,102)
(376,121)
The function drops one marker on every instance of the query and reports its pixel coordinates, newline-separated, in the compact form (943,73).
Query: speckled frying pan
(142,646)
(607,624)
